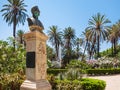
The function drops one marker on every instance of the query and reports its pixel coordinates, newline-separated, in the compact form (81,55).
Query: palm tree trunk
(92,49)
(14,30)
(69,51)
(56,48)
(114,46)
(89,50)
(98,46)
(84,50)
(21,40)
(112,49)
(58,51)
(77,49)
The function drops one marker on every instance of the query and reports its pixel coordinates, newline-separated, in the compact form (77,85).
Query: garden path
(112,82)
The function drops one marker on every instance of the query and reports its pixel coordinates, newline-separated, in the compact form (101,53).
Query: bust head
(35,12)
(33,22)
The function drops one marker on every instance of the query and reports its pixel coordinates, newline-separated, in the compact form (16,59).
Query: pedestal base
(35,85)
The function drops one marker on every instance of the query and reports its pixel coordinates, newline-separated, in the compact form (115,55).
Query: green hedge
(56,71)
(103,71)
(89,71)
(93,84)
(84,84)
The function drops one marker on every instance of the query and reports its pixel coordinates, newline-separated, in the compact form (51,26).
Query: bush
(71,74)
(103,71)
(68,85)
(72,80)
(11,81)
(78,64)
(12,66)
(84,84)
(56,71)
(66,75)
(93,84)
(11,61)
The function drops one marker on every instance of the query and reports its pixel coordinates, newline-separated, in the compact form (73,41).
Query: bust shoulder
(30,22)
(33,21)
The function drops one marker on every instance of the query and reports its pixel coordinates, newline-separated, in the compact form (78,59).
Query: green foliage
(55,37)
(65,74)
(11,81)
(14,12)
(69,39)
(71,74)
(20,38)
(11,61)
(103,71)
(68,85)
(49,63)
(106,65)
(78,64)
(118,55)
(56,71)
(12,66)
(50,53)
(108,52)
(71,79)
(93,84)
(83,84)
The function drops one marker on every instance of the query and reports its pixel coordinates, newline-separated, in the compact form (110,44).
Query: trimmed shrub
(84,84)
(89,71)
(103,71)
(93,84)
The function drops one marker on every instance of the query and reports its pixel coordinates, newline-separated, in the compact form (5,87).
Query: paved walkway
(113,82)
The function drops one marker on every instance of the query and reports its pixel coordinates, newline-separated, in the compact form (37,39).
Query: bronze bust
(33,22)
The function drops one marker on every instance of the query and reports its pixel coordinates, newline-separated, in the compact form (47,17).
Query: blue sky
(65,13)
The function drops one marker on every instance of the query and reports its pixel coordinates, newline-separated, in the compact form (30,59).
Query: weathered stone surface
(36,76)
(35,85)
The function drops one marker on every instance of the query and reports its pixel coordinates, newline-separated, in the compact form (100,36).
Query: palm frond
(14,12)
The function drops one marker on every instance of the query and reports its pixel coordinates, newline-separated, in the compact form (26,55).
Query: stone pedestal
(36,64)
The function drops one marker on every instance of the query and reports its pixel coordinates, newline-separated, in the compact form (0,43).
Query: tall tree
(20,36)
(55,38)
(89,45)
(114,35)
(14,13)
(99,30)
(50,53)
(69,38)
(78,42)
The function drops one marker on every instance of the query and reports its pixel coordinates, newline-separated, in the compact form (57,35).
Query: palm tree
(78,42)
(20,36)
(69,37)
(50,53)
(14,13)
(55,38)
(99,30)
(87,40)
(114,34)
